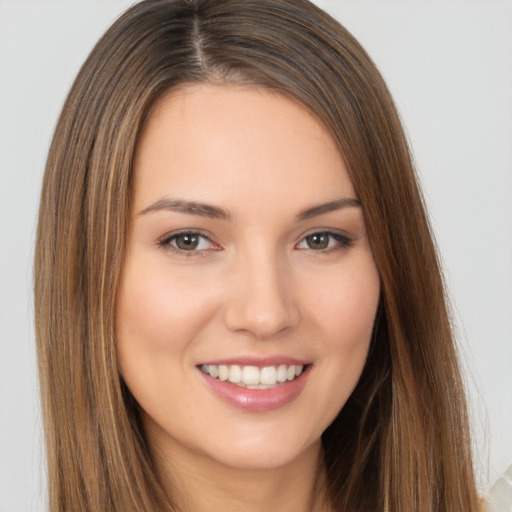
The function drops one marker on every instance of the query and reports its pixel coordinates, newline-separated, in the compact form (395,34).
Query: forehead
(219,143)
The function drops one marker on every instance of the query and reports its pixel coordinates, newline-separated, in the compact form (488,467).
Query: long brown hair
(401,442)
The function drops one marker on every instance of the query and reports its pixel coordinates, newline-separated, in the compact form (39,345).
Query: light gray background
(449,66)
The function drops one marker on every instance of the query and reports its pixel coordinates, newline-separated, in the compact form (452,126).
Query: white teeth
(250,375)
(268,375)
(223,372)
(282,373)
(235,374)
(253,377)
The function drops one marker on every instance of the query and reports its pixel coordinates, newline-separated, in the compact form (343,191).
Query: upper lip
(259,362)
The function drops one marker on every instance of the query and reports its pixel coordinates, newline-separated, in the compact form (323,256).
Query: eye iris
(318,241)
(187,242)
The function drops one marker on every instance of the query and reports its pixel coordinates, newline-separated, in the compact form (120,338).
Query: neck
(201,484)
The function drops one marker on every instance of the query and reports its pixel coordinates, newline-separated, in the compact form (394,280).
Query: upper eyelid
(166,239)
(172,234)
(328,231)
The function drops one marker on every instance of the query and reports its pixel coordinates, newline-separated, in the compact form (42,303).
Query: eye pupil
(187,242)
(318,241)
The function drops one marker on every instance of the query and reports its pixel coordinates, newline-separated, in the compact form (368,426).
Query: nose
(263,303)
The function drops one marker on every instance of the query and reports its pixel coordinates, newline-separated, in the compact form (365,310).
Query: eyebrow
(189,207)
(214,212)
(331,206)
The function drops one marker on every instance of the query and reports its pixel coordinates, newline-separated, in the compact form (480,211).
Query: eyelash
(342,242)
(167,243)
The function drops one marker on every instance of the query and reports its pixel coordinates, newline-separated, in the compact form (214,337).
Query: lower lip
(257,400)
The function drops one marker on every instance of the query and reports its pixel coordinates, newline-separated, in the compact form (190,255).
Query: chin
(255,451)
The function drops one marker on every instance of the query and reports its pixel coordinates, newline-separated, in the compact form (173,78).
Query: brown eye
(318,241)
(325,241)
(187,241)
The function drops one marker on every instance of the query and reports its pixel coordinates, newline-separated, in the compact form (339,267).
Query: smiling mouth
(252,377)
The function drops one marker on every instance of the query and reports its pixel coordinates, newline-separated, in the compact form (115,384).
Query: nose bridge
(262,303)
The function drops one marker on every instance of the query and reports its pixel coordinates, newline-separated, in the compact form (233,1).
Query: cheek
(344,307)
(344,314)
(160,311)
(159,317)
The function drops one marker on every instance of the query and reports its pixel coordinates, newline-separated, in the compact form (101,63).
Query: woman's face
(249,290)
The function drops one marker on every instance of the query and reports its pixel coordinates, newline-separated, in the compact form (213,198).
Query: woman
(238,301)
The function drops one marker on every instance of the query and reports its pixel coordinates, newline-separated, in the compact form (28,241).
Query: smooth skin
(229,257)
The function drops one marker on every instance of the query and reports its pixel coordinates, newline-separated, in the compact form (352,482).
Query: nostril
(262,320)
